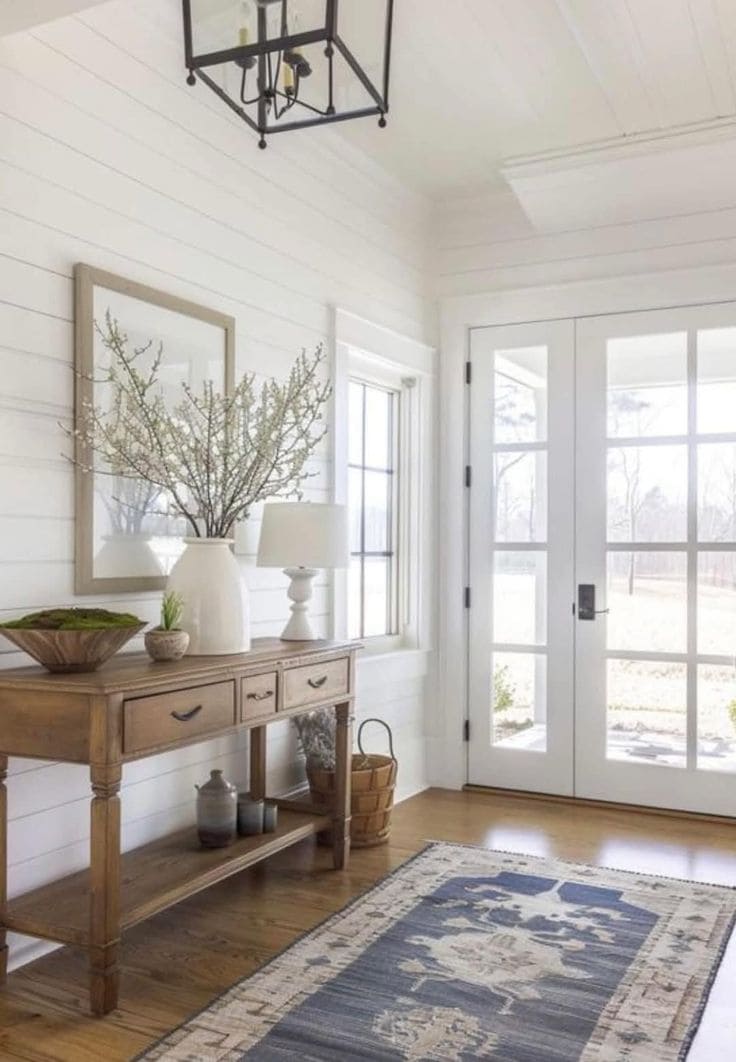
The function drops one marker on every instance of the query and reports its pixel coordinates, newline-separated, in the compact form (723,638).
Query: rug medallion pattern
(465,953)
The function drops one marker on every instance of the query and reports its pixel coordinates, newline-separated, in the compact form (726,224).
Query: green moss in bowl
(72,639)
(73,619)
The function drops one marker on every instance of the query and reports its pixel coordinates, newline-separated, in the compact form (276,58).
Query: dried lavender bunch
(211,456)
(317,738)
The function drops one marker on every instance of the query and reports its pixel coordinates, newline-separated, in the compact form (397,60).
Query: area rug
(464,953)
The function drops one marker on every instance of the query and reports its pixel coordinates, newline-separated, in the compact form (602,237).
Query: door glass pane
(520,597)
(520,395)
(647,385)
(647,717)
(647,599)
(519,701)
(716,406)
(717,603)
(520,496)
(716,718)
(717,492)
(647,493)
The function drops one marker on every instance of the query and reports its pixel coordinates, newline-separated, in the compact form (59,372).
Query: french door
(521,523)
(603,626)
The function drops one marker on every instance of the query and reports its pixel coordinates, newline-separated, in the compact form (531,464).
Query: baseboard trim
(603,805)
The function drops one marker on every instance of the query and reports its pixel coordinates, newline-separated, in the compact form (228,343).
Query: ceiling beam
(17,15)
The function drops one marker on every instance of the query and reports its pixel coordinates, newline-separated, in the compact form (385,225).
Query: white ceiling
(16,15)
(477,81)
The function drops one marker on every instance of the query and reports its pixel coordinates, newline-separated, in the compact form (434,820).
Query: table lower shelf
(153,877)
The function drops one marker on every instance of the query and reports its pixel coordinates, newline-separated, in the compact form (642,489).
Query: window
(373,502)
(383,440)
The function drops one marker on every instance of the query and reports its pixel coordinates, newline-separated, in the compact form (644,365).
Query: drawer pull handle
(184,717)
(260,696)
(316,683)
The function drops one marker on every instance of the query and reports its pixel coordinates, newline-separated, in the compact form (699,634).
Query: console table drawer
(259,696)
(315,682)
(170,717)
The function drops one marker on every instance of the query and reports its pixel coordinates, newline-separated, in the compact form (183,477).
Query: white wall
(107,157)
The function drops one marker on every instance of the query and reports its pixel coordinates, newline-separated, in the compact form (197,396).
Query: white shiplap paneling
(106,156)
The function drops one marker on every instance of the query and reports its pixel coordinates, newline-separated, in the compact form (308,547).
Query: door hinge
(466,730)
(468,372)
(468,475)
(467,597)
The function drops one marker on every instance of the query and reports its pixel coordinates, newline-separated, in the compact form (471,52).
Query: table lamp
(301,538)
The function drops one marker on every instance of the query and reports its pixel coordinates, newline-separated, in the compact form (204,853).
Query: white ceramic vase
(126,555)
(216,614)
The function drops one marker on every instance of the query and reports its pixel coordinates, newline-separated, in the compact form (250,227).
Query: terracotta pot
(166,645)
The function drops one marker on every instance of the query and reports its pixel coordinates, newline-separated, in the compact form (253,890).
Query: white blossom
(210,456)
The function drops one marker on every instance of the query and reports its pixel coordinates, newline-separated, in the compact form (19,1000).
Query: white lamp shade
(303,535)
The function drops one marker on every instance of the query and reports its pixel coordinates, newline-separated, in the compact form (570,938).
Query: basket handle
(388,730)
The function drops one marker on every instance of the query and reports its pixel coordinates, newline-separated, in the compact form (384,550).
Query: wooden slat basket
(372,794)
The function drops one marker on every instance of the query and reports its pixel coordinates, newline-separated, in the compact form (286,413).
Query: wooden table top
(135,670)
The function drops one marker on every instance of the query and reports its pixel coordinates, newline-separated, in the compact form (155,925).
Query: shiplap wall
(487,244)
(107,157)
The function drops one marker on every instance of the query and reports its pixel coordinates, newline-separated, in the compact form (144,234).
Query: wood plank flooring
(173,964)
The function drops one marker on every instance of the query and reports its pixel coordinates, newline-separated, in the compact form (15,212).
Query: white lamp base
(299,629)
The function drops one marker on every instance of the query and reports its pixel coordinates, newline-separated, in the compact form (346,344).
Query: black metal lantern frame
(270,55)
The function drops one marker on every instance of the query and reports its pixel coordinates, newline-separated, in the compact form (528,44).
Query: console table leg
(258,763)
(343,778)
(105,888)
(3,867)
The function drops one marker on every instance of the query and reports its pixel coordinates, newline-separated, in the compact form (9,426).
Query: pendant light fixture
(289,64)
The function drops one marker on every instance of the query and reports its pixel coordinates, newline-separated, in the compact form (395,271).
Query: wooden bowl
(66,652)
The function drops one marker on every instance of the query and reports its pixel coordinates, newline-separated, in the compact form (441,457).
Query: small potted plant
(168,641)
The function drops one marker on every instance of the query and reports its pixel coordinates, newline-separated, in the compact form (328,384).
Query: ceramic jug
(217,811)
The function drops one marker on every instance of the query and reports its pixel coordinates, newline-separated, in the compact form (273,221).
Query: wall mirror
(125,538)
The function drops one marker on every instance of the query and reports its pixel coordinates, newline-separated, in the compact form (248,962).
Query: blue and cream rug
(464,953)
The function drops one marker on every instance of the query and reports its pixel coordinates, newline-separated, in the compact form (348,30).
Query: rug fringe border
(428,845)
(577,863)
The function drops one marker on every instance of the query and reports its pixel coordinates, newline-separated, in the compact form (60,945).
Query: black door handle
(586,602)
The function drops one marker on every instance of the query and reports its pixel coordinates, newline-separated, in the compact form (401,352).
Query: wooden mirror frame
(86,279)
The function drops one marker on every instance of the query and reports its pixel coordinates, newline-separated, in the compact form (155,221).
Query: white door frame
(644,291)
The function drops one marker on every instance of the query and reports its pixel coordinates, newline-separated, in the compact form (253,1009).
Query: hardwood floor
(175,963)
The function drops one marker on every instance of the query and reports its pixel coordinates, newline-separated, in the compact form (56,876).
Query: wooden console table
(132,708)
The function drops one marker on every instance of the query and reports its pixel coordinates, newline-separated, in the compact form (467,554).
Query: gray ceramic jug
(217,811)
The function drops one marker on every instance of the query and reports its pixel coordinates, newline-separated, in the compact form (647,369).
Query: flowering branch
(212,456)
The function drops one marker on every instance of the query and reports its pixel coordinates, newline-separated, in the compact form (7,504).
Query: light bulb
(246,18)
